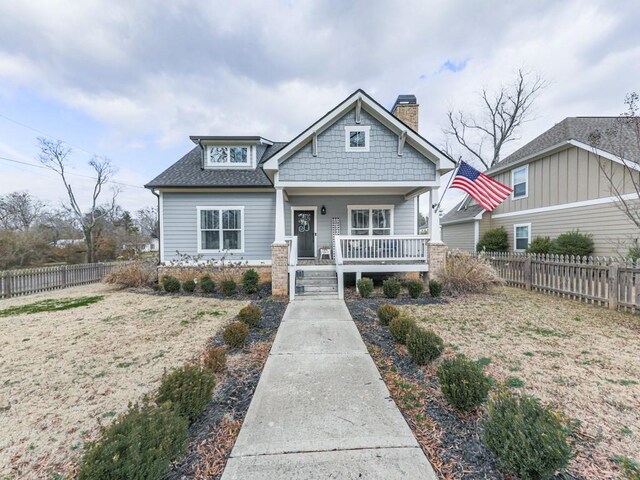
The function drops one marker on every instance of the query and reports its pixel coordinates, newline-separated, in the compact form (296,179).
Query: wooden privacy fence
(34,280)
(607,281)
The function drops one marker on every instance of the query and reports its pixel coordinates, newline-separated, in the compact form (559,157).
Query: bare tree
(623,140)
(503,112)
(147,220)
(19,211)
(55,155)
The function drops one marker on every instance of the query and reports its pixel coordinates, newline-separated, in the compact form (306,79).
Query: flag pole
(453,174)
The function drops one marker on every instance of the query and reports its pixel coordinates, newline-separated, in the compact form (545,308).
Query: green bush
(573,243)
(216,359)
(189,286)
(415,288)
(206,284)
(528,439)
(387,312)
(188,389)
(540,245)
(140,444)
(462,383)
(435,288)
(170,284)
(400,327)
(634,253)
(365,287)
(250,315)
(228,287)
(495,240)
(235,334)
(250,281)
(391,287)
(424,345)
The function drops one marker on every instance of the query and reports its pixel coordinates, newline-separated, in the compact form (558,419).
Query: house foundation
(279,268)
(437,256)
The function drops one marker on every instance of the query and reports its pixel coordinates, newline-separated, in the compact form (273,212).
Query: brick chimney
(406,109)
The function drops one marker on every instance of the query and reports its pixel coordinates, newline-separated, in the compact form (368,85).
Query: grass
(579,358)
(51,305)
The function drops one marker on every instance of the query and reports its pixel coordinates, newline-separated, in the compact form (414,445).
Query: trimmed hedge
(387,312)
(391,287)
(216,359)
(206,284)
(463,383)
(189,286)
(250,315)
(400,327)
(235,334)
(365,287)
(424,345)
(188,389)
(435,288)
(250,281)
(540,245)
(495,240)
(228,287)
(415,288)
(170,284)
(573,243)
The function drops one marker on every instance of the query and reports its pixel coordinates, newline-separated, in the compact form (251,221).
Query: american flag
(482,188)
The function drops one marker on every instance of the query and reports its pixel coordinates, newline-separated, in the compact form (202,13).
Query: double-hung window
(370,221)
(520,182)
(220,229)
(228,156)
(521,236)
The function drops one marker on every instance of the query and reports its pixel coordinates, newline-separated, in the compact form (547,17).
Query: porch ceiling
(354,189)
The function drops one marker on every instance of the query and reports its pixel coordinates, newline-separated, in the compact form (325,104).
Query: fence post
(8,279)
(613,286)
(63,281)
(527,273)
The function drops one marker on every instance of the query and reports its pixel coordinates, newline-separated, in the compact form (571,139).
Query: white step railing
(377,248)
(292,242)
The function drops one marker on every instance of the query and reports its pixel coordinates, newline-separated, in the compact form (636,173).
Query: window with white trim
(228,156)
(370,221)
(356,138)
(220,229)
(521,236)
(520,182)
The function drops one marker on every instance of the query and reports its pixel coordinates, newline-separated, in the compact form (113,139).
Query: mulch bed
(264,292)
(213,435)
(452,441)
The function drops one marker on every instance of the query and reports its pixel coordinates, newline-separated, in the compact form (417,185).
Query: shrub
(435,288)
(250,281)
(235,334)
(387,312)
(206,284)
(170,284)
(216,359)
(188,389)
(189,286)
(467,273)
(138,274)
(391,287)
(400,327)
(462,383)
(529,440)
(365,287)
(228,287)
(573,243)
(139,444)
(540,245)
(424,345)
(495,240)
(415,288)
(250,315)
(634,253)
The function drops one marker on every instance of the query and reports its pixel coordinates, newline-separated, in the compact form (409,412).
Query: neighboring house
(66,242)
(559,186)
(349,183)
(152,245)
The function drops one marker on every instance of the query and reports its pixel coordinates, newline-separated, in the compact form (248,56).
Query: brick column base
(437,253)
(279,269)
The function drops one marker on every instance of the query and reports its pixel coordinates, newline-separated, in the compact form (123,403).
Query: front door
(304,229)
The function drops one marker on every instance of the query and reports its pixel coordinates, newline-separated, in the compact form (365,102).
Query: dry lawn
(583,359)
(61,373)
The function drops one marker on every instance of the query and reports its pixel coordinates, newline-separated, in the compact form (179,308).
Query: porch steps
(316,282)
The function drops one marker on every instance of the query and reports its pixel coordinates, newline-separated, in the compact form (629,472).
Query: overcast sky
(131,80)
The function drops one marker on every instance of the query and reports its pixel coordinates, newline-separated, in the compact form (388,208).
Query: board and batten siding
(333,164)
(459,236)
(180,216)
(404,214)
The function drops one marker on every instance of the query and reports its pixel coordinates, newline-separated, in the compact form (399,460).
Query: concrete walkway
(321,409)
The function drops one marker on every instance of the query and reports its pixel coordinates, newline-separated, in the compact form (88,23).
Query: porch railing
(382,248)
(292,242)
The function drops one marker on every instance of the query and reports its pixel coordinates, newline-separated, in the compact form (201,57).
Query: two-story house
(563,180)
(341,197)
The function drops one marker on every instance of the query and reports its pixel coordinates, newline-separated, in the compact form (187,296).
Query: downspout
(159,231)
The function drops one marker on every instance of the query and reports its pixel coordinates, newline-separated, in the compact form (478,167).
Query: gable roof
(613,136)
(443,161)
(458,215)
(188,172)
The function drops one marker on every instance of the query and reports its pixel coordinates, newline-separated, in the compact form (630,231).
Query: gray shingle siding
(179,218)
(333,164)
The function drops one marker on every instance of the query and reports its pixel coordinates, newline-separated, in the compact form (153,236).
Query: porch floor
(306,262)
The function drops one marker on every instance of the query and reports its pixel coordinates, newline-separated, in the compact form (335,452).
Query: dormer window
(357,138)
(229,156)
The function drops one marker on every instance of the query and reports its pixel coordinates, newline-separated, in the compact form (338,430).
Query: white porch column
(279,233)
(434,219)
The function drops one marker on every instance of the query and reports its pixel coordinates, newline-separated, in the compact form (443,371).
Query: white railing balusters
(360,248)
